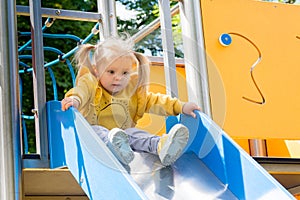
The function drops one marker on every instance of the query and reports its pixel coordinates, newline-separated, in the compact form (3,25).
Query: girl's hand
(189,107)
(67,102)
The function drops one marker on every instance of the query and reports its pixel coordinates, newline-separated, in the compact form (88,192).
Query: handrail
(62,14)
(155,24)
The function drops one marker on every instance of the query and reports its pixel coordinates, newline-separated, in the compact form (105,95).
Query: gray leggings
(139,140)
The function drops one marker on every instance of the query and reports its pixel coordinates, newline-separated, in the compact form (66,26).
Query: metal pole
(38,75)
(258,148)
(194,54)
(10,148)
(108,25)
(168,47)
(112,18)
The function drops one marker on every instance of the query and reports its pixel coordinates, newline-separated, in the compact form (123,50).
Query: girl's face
(116,76)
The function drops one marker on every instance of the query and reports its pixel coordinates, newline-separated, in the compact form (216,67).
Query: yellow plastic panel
(283,148)
(274,29)
(153,123)
(277,148)
(244,143)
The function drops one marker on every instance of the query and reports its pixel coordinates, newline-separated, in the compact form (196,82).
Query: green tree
(148,11)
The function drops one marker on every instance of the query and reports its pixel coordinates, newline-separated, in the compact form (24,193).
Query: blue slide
(212,167)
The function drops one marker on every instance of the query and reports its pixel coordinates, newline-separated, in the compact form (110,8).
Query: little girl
(111,93)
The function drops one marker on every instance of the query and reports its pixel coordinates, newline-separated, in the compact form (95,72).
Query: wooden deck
(54,184)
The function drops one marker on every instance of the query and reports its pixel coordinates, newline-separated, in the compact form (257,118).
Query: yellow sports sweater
(122,110)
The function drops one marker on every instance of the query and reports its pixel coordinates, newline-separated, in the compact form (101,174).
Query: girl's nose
(118,77)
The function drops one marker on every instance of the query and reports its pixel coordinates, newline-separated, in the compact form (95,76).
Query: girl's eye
(111,71)
(125,73)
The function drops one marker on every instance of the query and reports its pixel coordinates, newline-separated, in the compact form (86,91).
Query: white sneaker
(171,145)
(118,143)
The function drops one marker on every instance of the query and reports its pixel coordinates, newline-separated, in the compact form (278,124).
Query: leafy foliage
(148,11)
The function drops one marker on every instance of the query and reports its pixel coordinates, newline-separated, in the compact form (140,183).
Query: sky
(123,13)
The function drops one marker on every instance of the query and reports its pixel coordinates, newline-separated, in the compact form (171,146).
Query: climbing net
(25,67)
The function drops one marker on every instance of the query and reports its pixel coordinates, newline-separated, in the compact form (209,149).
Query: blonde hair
(98,57)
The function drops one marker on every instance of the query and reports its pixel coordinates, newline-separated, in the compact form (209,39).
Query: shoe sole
(120,146)
(175,144)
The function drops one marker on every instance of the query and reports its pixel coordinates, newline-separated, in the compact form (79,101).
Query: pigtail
(84,58)
(143,70)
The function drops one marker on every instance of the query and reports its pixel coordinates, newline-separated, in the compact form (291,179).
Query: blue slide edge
(243,176)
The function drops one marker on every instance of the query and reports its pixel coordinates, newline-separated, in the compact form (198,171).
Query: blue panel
(171,121)
(233,169)
(56,144)
(205,144)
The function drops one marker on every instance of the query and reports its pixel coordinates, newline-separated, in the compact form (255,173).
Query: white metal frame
(168,47)
(39,89)
(10,148)
(194,54)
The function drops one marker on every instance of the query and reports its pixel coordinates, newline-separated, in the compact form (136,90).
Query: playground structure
(201,60)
